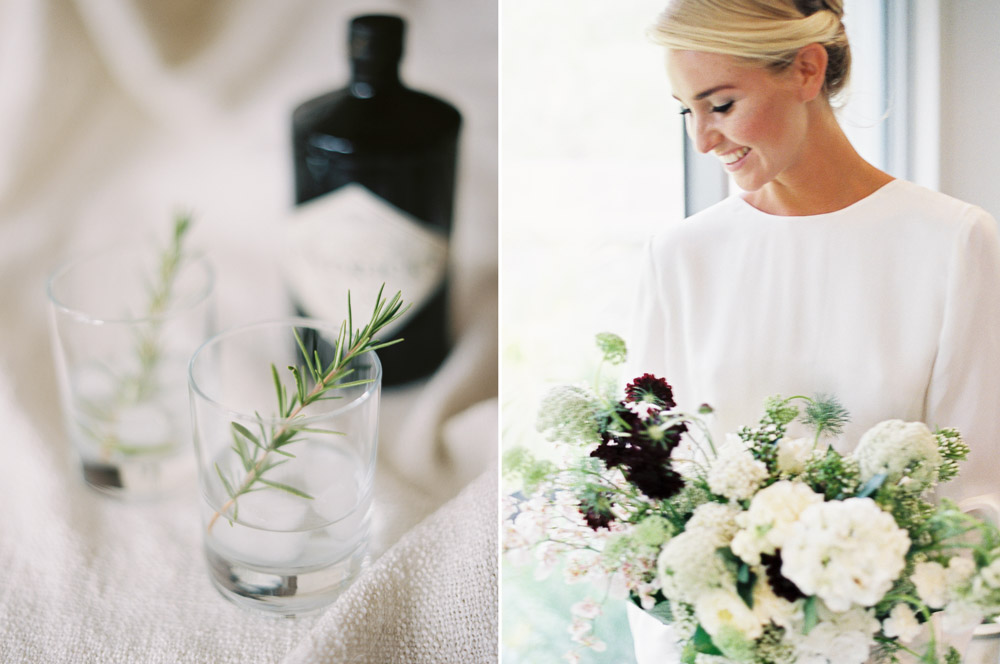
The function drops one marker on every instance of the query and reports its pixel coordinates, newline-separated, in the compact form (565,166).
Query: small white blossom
(899,448)
(587,609)
(902,623)
(768,522)
(715,521)
(793,453)
(959,571)
(846,552)
(931,583)
(735,474)
(721,608)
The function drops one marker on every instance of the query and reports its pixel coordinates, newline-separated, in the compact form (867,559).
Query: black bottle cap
(377,37)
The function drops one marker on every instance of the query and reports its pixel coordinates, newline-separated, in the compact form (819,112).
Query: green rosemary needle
(257,452)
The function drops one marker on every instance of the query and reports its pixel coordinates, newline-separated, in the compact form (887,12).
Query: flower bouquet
(764,548)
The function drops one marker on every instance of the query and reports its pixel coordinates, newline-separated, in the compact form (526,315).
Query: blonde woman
(826,274)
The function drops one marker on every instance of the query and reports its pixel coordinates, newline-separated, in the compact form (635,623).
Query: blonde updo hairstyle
(768,33)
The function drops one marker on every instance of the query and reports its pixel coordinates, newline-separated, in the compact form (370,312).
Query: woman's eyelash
(723,108)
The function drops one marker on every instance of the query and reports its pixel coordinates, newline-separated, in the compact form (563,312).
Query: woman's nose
(703,134)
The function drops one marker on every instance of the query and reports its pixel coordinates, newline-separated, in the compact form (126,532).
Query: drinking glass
(286,491)
(123,329)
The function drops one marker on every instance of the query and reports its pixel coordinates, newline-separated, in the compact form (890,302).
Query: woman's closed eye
(721,108)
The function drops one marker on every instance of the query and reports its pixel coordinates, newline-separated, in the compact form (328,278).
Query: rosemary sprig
(148,348)
(139,386)
(257,449)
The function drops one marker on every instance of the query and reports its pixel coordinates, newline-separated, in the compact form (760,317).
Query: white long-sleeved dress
(892,304)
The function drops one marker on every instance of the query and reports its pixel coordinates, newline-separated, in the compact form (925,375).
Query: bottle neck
(371,77)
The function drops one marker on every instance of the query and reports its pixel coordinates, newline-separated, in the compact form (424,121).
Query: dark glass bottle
(400,146)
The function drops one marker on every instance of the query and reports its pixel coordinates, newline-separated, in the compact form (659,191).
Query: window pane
(592,162)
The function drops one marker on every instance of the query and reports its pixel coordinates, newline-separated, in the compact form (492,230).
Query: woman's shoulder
(910,201)
(703,226)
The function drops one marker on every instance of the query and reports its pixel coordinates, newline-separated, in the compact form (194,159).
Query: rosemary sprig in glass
(312,383)
(133,388)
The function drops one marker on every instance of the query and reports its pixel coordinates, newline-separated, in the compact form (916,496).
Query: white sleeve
(964,391)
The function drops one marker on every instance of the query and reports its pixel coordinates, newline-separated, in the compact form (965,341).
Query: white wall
(970,101)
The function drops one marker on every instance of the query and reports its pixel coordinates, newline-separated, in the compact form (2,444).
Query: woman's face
(754,120)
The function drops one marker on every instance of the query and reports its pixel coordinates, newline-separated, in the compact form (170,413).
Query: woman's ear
(810,70)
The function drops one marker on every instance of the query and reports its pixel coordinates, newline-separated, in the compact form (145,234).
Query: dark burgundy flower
(782,587)
(642,452)
(657,482)
(647,388)
(597,519)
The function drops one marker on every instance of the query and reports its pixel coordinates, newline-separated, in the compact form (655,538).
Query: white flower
(899,449)
(839,638)
(587,609)
(768,522)
(793,453)
(846,552)
(931,583)
(735,474)
(769,608)
(902,623)
(959,571)
(718,609)
(716,521)
(689,566)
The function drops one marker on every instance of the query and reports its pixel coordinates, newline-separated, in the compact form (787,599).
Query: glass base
(138,478)
(279,593)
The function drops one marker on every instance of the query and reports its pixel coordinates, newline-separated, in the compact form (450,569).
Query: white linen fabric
(114,115)
(891,304)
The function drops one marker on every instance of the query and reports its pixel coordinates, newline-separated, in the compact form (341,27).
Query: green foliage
(909,510)
(311,383)
(653,531)
(520,463)
(831,474)
(953,450)
(612,348)
(825,415)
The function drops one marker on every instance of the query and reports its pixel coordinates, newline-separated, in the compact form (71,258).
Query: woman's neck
(829,176)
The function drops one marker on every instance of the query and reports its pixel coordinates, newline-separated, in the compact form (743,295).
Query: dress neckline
(850,209)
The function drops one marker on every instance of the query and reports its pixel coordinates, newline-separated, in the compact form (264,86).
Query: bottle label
(350,239)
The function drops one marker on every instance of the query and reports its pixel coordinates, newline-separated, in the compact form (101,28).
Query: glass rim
(286,322)
(78,314)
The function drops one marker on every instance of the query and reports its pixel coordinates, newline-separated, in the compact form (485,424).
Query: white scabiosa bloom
(899,449)
(735,474)
(846,552)
(931,583)
(902,623)
(768,522)
(720,610)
